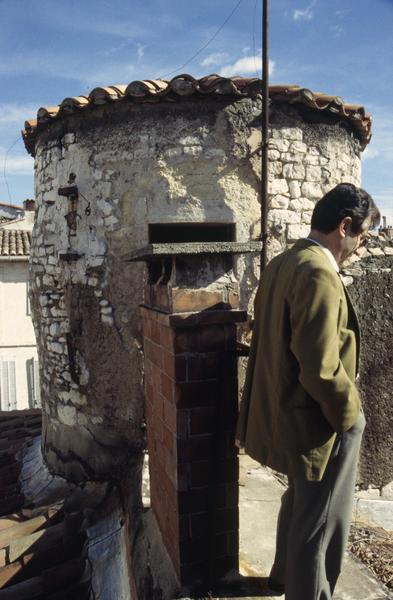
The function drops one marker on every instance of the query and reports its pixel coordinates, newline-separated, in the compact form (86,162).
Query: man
(301,411)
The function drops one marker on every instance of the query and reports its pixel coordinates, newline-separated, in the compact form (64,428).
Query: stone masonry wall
(133,165)
(370,284)
(196,160)
(306,161)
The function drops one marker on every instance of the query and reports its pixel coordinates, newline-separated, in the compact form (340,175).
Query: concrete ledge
(192,319)
(376,511)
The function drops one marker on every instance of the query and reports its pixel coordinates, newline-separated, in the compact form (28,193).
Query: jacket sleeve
(314,318)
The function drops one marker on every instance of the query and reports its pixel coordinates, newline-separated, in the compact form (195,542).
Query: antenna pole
(265,129)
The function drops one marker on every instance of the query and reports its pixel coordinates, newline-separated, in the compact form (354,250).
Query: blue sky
(51,49)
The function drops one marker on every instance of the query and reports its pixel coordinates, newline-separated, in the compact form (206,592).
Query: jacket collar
(318,249)
(353,319)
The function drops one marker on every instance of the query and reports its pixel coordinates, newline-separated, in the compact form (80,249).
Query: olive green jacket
(300,384)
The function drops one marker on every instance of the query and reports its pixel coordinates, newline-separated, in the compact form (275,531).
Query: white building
(19,384)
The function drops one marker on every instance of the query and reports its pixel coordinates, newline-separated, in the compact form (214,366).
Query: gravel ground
(374,547)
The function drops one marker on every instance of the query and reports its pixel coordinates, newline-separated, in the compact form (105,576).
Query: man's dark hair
(344,200)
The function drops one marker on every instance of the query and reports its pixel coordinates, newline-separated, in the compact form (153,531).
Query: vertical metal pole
(265,129)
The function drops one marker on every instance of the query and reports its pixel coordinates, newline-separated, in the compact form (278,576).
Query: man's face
(353,241)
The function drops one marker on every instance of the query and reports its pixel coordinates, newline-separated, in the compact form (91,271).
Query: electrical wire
(5,167)
(205,45)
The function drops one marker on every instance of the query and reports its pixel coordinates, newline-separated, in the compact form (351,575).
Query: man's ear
(345,226)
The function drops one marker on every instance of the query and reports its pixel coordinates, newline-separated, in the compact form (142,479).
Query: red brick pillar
(191,410)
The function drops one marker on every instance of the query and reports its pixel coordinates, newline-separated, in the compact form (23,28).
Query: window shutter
(30,381)
(12,385)
(28,308)
(4,386)
(36,379)
(7,385)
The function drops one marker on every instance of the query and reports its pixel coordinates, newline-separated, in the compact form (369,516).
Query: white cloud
(15,164)
(370,153)
(217,58)
(140,51)
(16,113)
(117,48)
(382,138)
(337,30)
(384,202)
(245,66)
(304,15)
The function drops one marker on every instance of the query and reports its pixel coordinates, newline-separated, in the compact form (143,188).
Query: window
(33,383)
(28,310)
(7,385)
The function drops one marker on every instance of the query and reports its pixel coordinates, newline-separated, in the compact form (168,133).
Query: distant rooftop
(212,86)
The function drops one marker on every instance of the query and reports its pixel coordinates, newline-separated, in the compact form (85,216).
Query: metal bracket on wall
(70,191)
(70,256)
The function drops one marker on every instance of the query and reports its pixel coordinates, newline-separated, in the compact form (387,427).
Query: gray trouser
(314,521)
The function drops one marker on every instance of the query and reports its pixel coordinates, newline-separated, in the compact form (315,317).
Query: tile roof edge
(185,85)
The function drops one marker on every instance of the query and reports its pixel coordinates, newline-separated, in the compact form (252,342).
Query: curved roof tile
(14,243)
(186,85)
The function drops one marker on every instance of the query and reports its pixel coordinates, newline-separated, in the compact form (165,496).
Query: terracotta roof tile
(185,85)
(14,242)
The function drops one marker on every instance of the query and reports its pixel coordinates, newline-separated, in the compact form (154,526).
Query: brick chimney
(191,400)
(29,204)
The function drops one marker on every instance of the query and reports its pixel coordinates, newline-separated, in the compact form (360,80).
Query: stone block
(54,329)
(297,146)
(289,133)
(278,186)
(68,138)
(311,190)
(387,491)
(105,207)
(111,222)
(313,173)
(190,140)
(274,154)
(275,169)
(67,414)
(293,171)
(279,202)
(294,189)
(107,320)
(376,251)
(307,204)
(192,150)
(215,153)
(254,141)
(279,145)
(292,157)
(311,160)
(280,216)
(377,511)
(294,232)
